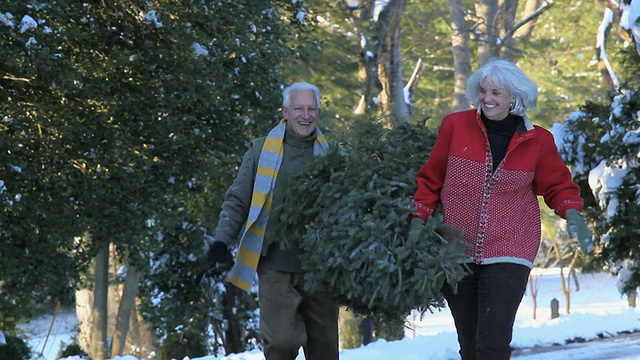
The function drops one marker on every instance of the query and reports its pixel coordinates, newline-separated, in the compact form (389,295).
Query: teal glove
(576,226)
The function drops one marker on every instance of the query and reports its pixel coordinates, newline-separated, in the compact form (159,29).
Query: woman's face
(495,102)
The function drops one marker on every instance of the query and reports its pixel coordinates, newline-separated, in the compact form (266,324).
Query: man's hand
(577,227)
(219,260)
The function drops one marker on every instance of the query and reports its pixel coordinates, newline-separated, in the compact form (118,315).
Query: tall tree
(461,54)
(493,31)
(41,254)
(375,52)
(389,66)
(131,106)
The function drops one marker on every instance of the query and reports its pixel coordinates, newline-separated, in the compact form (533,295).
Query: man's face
(302,113)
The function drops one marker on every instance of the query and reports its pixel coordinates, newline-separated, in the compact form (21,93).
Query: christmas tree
(352,210)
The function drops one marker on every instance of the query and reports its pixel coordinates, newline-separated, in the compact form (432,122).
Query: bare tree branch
(544,7)
(13,78)
(412,83)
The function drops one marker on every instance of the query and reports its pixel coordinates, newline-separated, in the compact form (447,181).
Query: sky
(597,309)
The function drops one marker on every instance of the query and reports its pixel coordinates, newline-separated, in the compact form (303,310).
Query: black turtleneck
(500,133)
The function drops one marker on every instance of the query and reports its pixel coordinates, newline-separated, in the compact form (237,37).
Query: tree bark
(372,85)
(530,18)
(233,332)
(140,335)
(631,299)
(526,30)
(487,12)
(99,314)
(534,287)
(127,304)
(350,336)
(390,62)
(461,55)
(508,12)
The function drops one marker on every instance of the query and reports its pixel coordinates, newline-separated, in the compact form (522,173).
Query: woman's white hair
(505,74)
(286,93)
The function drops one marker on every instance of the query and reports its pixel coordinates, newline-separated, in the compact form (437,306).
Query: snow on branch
(601,45)
(412,83)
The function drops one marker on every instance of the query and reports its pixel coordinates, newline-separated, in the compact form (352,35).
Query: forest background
(124,123)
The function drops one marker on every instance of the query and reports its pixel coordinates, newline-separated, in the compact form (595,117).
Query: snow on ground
(597,311)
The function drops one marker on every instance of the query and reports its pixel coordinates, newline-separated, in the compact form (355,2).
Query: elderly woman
(486,170)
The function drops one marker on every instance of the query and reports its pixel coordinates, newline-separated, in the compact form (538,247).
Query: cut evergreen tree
(351,208)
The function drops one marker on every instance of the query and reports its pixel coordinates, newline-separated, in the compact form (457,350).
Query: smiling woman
(495,101)
(486,170)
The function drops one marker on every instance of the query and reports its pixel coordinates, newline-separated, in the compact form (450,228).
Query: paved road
(619,347)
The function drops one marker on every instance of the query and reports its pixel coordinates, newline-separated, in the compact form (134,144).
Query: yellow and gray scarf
(244,271)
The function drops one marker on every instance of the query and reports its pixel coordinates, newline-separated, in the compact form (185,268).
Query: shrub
(72,350)
(180,345)
(15,349)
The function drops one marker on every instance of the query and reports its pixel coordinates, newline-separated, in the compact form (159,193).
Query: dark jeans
(484,309)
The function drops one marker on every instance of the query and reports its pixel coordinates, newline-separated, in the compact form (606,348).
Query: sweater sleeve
(553,180)
(431,175)
(237,201)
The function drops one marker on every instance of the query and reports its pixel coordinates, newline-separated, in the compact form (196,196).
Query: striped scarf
(244,271)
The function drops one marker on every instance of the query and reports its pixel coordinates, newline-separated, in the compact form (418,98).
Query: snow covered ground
(600,326)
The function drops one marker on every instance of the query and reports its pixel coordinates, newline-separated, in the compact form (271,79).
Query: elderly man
(289,317)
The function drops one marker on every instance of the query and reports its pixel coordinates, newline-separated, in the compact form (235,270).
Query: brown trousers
(289,319)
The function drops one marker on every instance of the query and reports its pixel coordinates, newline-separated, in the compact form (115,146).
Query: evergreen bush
(15,349)
(351,209)
(189,344)
(72,350)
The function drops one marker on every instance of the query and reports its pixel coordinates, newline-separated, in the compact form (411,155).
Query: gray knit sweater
(279,252)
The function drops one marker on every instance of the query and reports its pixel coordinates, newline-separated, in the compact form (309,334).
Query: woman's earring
(510,106)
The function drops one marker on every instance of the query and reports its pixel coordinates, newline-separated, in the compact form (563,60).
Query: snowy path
(621,347)
(596,309)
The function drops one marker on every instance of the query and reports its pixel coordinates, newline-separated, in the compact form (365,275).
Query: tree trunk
(127,304)
(372,85)
(99,314)
(461,55)
(390,62)
(508,12)
(566,290)
(233,332)
(534,286)
(576,282)
(487,12)
(84,303)
(388,331)
(526,30)
(140,337)
(631,298)
(349,323)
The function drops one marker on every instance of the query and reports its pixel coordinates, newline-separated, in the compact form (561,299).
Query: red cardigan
(497,211)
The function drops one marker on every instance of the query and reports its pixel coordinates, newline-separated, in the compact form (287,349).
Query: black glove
(219,260)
